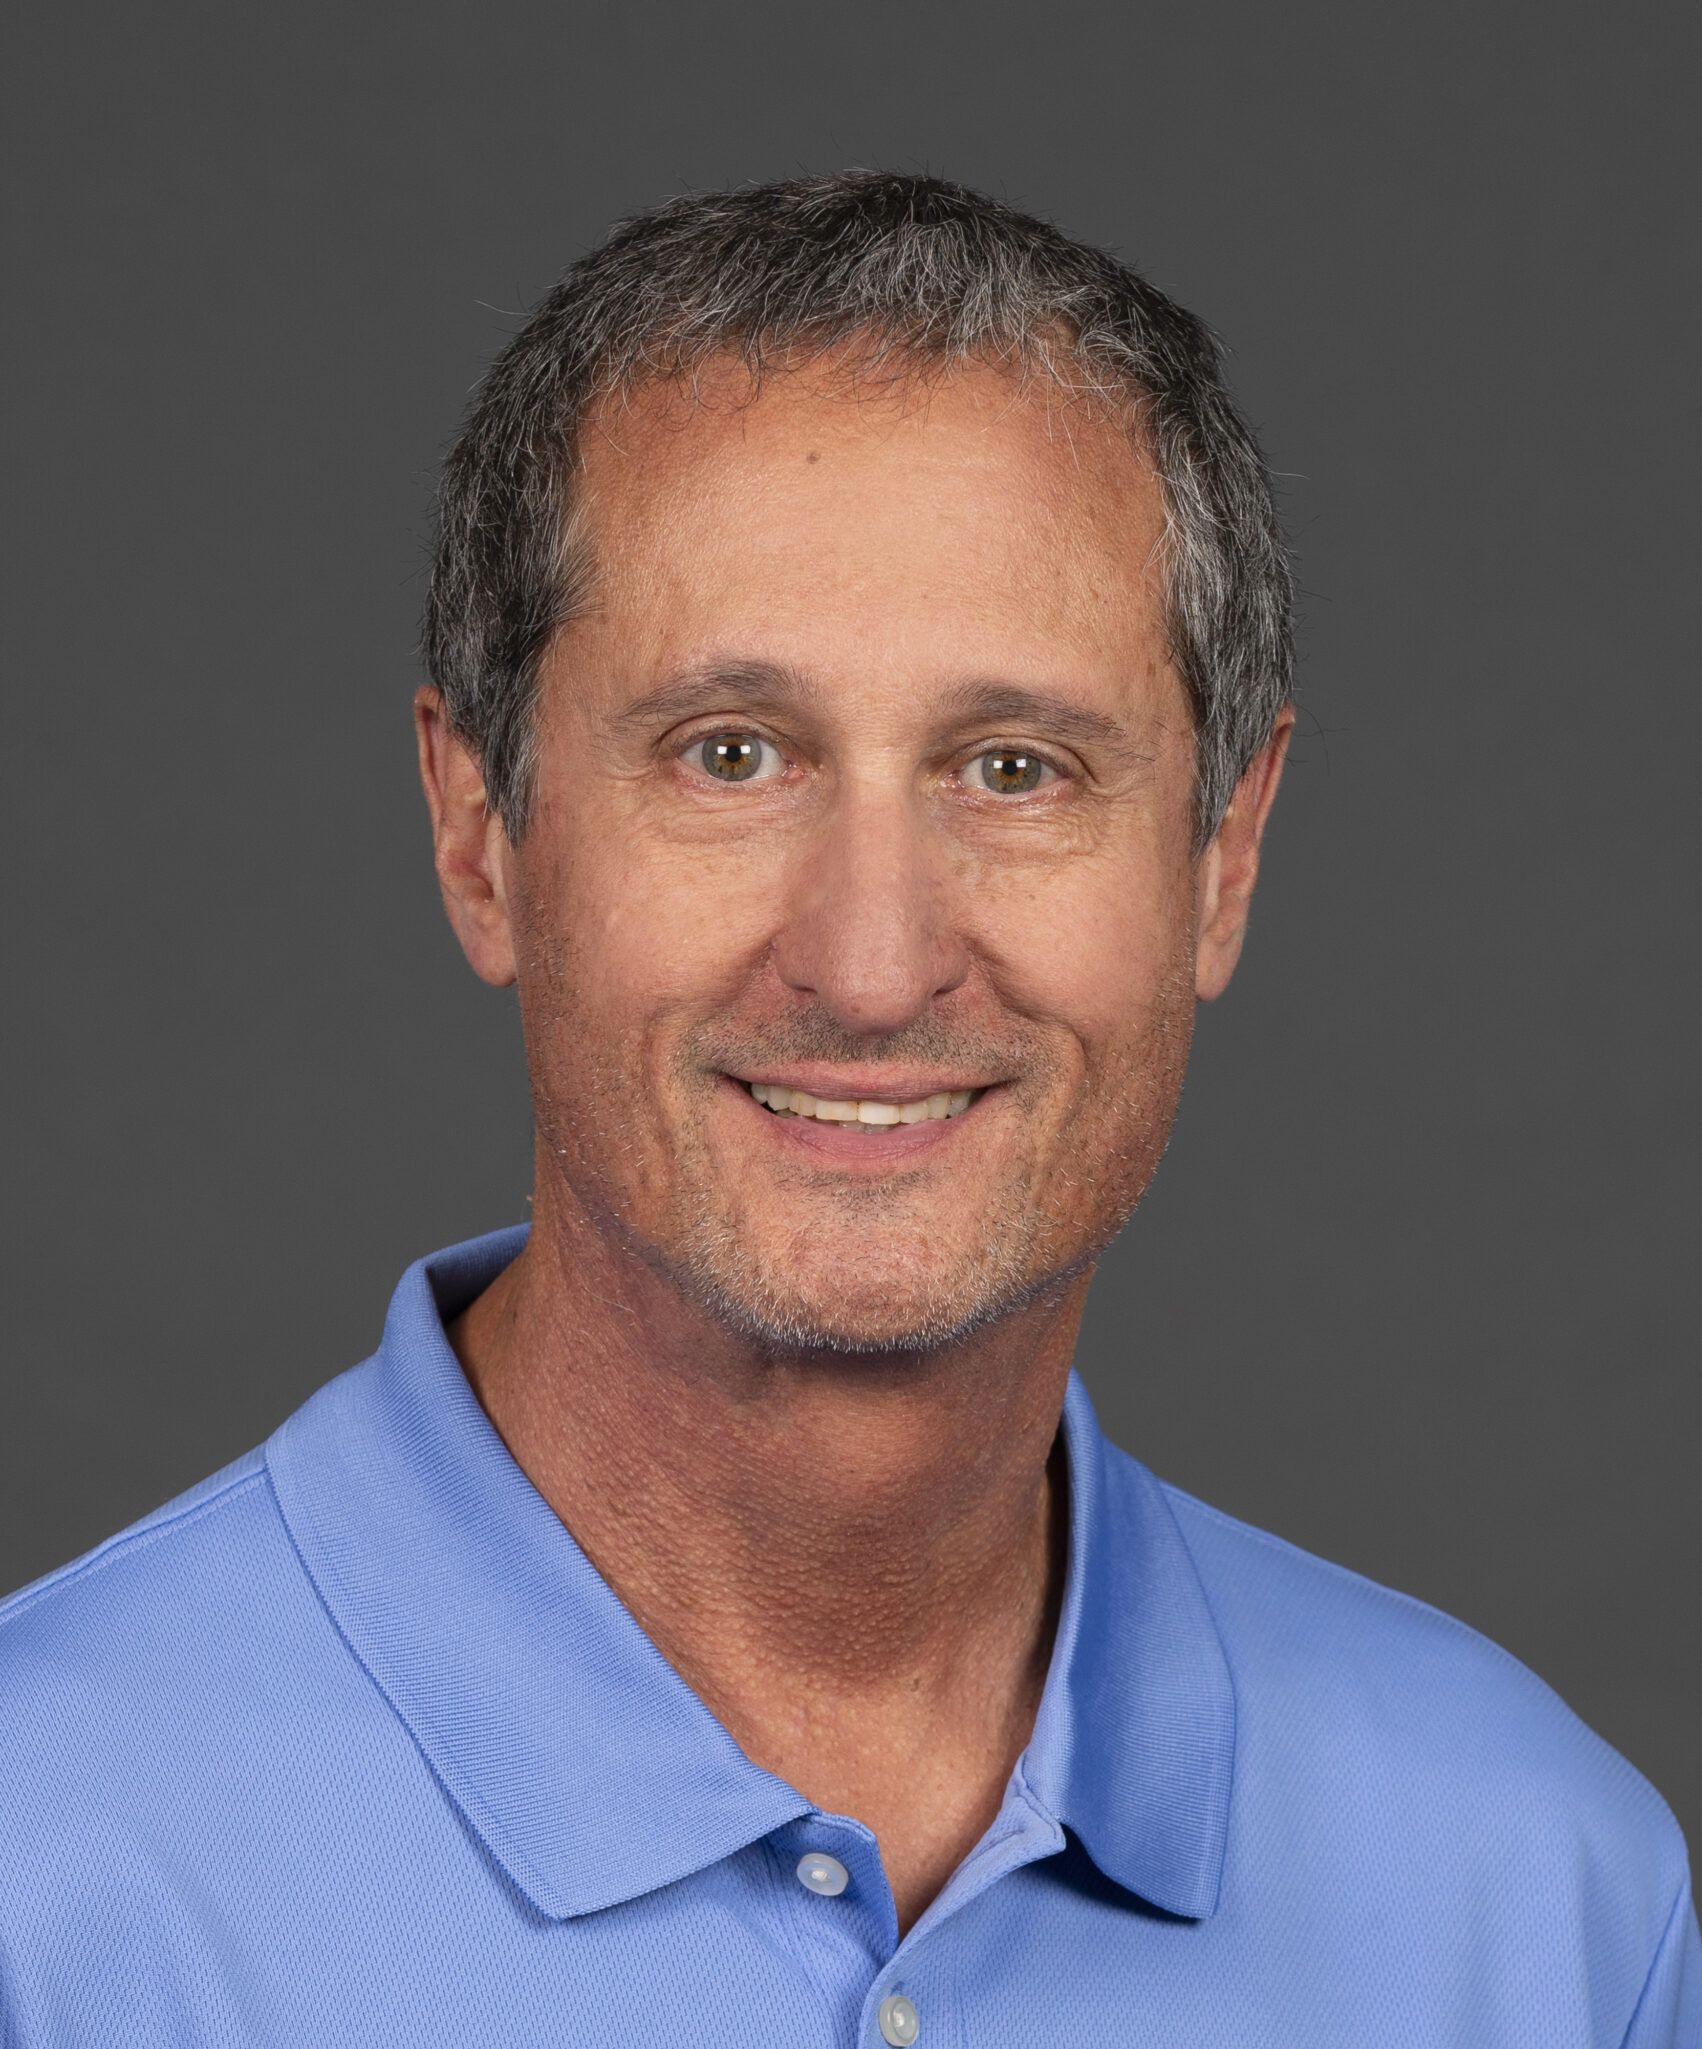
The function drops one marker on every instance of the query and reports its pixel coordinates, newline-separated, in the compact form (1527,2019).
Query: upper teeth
(800,1103)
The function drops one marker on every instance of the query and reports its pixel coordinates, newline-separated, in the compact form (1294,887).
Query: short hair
(923,273)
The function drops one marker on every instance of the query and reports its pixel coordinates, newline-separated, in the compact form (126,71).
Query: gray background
(1415,1284)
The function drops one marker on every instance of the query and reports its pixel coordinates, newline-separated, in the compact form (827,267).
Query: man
(861,650)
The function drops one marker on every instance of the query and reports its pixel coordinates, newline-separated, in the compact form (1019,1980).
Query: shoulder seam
(1679,1904)
(1336,1570)
(119,1545)
(1454,1623)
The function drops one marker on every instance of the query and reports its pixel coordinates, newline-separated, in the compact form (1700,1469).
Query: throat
(849,1567)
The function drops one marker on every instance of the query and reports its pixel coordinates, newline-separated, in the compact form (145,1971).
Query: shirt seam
(123,1544)
(1667,1928)
(1333,1569)
(1037,1807)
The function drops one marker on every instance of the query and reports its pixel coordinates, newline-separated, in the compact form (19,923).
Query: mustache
(927,1043)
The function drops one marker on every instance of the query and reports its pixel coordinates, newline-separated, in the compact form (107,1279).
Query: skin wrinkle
(904,281)
(804,1422)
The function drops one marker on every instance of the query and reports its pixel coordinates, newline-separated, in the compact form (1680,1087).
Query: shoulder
(137,1679)
(110,1602)
(137,1625)
(1377,1699)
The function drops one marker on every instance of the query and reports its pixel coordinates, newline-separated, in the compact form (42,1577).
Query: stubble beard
(866,1270)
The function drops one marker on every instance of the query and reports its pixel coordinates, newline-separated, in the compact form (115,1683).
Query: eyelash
(1056,773)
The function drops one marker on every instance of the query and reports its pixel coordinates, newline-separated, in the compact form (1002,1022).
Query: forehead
(960,501)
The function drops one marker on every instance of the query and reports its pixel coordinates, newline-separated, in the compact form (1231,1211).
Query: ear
(469,843)
(1227,870)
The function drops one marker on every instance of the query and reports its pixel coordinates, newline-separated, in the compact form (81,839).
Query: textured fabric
(350,1745)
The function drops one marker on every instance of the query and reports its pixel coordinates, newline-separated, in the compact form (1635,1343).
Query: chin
(812,1327)
(881,1314)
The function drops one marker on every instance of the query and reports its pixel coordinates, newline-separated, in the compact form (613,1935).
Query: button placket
(843,1937)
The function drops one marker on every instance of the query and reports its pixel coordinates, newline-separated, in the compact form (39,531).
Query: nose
(868,927)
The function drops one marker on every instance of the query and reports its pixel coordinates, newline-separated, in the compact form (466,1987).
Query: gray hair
(922,273)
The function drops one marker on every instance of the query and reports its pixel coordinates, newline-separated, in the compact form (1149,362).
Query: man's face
(864,773)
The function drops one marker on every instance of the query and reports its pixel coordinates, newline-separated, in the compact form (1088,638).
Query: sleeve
(1669,2010)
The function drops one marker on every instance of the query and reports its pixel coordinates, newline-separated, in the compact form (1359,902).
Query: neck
(816,1542)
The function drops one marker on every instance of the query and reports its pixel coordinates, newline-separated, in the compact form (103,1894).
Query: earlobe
(467,841)
(1208,886)
(1220,921)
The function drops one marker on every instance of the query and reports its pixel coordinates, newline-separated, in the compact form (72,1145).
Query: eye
(1009,771)
(735,756)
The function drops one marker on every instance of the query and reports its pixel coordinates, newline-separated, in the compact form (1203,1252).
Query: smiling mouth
(866,1113)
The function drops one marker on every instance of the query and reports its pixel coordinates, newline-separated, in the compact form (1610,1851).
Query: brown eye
(1009,772)
(732,757)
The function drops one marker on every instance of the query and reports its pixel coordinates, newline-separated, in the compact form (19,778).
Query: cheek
(656,930)
(1088,942)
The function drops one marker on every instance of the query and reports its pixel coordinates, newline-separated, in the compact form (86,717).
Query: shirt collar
(582,1760)
(1134,1745)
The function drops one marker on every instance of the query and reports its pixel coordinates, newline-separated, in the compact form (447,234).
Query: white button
(823,1874)
(900,2022)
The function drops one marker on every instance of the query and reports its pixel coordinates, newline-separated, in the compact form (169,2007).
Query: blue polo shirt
(350,1746)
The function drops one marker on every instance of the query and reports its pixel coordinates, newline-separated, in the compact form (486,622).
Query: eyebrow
(1020,704)
(776,686)
(771,685)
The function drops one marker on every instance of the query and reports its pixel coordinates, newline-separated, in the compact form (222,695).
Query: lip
(868,1147)
(864,1084)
